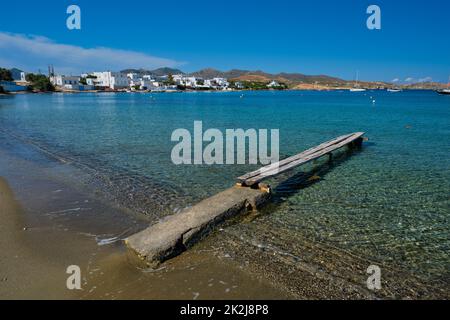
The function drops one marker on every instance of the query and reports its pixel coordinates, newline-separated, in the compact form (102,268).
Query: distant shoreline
(199,91)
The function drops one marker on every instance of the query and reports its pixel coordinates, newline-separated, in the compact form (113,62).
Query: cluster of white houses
(135,82)
(113,81)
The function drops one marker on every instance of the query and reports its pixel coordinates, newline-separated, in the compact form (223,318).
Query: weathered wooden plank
(293,158)
(274,170)
(301,159)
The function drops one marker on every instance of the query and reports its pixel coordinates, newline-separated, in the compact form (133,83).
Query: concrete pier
(178,232)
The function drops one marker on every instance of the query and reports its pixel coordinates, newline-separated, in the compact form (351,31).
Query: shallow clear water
(388,202)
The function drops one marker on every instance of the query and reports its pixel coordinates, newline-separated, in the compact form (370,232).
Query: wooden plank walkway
(253,178)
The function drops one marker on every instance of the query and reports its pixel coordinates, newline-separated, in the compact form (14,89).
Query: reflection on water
(387,203)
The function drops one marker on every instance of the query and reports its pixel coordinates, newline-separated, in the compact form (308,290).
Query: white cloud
(396,80)
(36,52)
(426,79)
(409,79)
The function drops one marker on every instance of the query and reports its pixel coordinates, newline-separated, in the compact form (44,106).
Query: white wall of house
(273,84)
(112,80)
(133,76)
(222,82)
(63,81)
(119,81)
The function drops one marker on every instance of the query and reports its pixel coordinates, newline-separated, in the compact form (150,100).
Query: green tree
(40,82)
(170,81)
(5,75)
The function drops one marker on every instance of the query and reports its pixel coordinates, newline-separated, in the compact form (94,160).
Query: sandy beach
(48,225)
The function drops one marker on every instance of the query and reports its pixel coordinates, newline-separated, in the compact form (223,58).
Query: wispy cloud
(416,80)
(395,80)
(36,52)
(426,79)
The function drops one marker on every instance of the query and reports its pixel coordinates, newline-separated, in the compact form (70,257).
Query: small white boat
(357,88)
(394,90)
(444,91)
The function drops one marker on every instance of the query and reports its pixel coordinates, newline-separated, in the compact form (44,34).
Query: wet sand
(50,223)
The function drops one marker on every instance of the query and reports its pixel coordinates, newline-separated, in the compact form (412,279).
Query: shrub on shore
(5,75)
(40,83)
(256,85)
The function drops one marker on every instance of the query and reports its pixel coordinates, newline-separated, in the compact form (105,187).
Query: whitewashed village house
(108,79)
(67,82)
(273,84)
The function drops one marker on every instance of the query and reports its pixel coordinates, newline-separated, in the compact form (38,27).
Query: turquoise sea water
(388,202)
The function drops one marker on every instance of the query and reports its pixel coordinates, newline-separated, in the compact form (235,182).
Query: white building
(217,83)
(112,80)
(273,84)
(149,84)
(185,81)
(66,82)
(178,78)
(23,77)
(133,76)
(144,84)
(222,82)
(70,83)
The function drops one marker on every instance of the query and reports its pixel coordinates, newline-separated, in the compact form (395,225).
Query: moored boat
(443,91)
(357,88)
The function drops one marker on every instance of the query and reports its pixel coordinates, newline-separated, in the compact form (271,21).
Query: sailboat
(445,91)
(357,88)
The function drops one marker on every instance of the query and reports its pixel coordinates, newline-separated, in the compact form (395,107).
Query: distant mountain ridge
(261,76)
(157,72)
(292,80)
(244,75)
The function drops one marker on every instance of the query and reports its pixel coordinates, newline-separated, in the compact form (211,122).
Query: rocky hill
(157,72)
(292,80)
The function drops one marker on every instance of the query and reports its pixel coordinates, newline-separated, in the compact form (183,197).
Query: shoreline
(337,89)
(51,224)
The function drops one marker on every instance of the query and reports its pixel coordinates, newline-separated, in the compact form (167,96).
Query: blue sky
(310,37)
